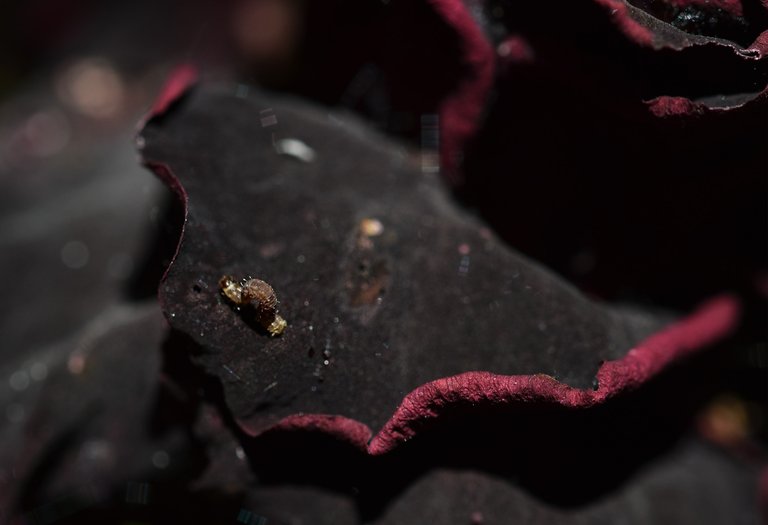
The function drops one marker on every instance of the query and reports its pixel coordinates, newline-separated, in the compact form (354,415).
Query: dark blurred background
(76,209)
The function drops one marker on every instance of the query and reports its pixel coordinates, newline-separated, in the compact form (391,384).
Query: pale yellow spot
(277,327)
(371,227)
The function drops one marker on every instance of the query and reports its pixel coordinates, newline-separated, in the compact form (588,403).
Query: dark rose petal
(734,20)
(483,389)
(301,504)
(676,24)
(690,482)
(693,485)
(461,110)
(227,468)
(449,298)
(602,155)
(558,465)
(761,43)
(88,432)
(408,61)
(179,81)
(420,58)
(636,40)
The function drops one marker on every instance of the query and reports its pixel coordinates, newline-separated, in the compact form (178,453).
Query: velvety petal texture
(370,318)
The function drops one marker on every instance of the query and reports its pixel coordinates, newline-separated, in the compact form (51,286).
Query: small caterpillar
(258,294)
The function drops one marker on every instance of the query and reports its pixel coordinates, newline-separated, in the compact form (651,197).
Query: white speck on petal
(296,149)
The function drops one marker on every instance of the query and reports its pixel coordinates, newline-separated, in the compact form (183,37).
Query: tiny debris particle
(464,265)
(260,296)
(371,227)
(268,118)
(231,372)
